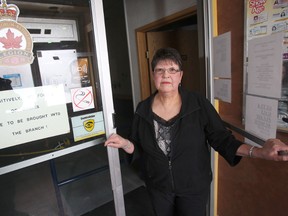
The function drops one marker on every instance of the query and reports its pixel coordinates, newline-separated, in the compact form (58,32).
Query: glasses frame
(161,71)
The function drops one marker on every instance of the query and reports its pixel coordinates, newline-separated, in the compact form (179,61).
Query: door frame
(205,29)
(107,102)
(141,43)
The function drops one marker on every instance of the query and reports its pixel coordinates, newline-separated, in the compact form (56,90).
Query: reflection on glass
(64,56)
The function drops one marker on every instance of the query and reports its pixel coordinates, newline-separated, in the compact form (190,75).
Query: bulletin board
(257,174)
(265,67)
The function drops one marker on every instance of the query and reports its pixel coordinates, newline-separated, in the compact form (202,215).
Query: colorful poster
(83,69)
(265,17)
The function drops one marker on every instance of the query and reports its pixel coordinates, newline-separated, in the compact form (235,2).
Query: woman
(171,133)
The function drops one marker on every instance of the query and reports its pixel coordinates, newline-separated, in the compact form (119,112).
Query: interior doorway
(187,31)
(179,31)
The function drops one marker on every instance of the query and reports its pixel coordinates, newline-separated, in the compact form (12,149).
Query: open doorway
(179,31)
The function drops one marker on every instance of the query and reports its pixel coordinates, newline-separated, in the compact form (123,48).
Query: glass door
(55,97)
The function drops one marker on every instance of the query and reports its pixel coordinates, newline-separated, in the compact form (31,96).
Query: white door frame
(107,101)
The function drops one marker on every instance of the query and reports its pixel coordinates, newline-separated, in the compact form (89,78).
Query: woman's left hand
(273,149)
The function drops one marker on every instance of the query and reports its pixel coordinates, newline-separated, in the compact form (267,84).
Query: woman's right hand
(116,141)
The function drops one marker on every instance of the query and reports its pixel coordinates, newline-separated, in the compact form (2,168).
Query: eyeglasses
(160,71)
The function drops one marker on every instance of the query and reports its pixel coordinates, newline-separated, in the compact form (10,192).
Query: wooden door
(186,42)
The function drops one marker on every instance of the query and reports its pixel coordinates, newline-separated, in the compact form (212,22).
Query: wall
(254,187)
(140,13)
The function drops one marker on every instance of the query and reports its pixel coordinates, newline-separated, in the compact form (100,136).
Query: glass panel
(54,103)
(51,105)
(265,86)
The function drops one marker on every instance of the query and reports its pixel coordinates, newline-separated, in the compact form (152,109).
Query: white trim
(107,101)
(208,39)
(53,155)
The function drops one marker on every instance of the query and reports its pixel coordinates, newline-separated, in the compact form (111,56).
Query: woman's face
(167,76)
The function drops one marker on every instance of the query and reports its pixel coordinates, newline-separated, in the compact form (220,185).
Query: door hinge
(147,54)
(114,120)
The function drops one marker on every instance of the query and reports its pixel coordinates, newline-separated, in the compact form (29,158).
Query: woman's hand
(273,149)
(116,141)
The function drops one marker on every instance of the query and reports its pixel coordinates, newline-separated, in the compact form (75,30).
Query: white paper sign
(261,116)
(222,89)
(222,55)
(59,67)
(30,114)
(265,65)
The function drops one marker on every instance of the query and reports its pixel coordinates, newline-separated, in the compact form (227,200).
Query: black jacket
(189,167)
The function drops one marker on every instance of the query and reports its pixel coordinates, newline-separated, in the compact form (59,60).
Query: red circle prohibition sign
(82,98)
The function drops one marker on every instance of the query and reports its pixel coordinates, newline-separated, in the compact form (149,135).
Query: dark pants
(179,204)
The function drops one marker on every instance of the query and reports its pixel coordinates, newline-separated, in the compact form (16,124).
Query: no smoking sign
(82,98)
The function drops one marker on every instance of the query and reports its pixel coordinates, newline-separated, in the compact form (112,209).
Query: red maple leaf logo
(11,42)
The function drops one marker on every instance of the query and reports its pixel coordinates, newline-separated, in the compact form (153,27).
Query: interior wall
(139,13)
(255,186)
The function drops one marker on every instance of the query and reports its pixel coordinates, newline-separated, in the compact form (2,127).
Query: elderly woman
(171,133)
